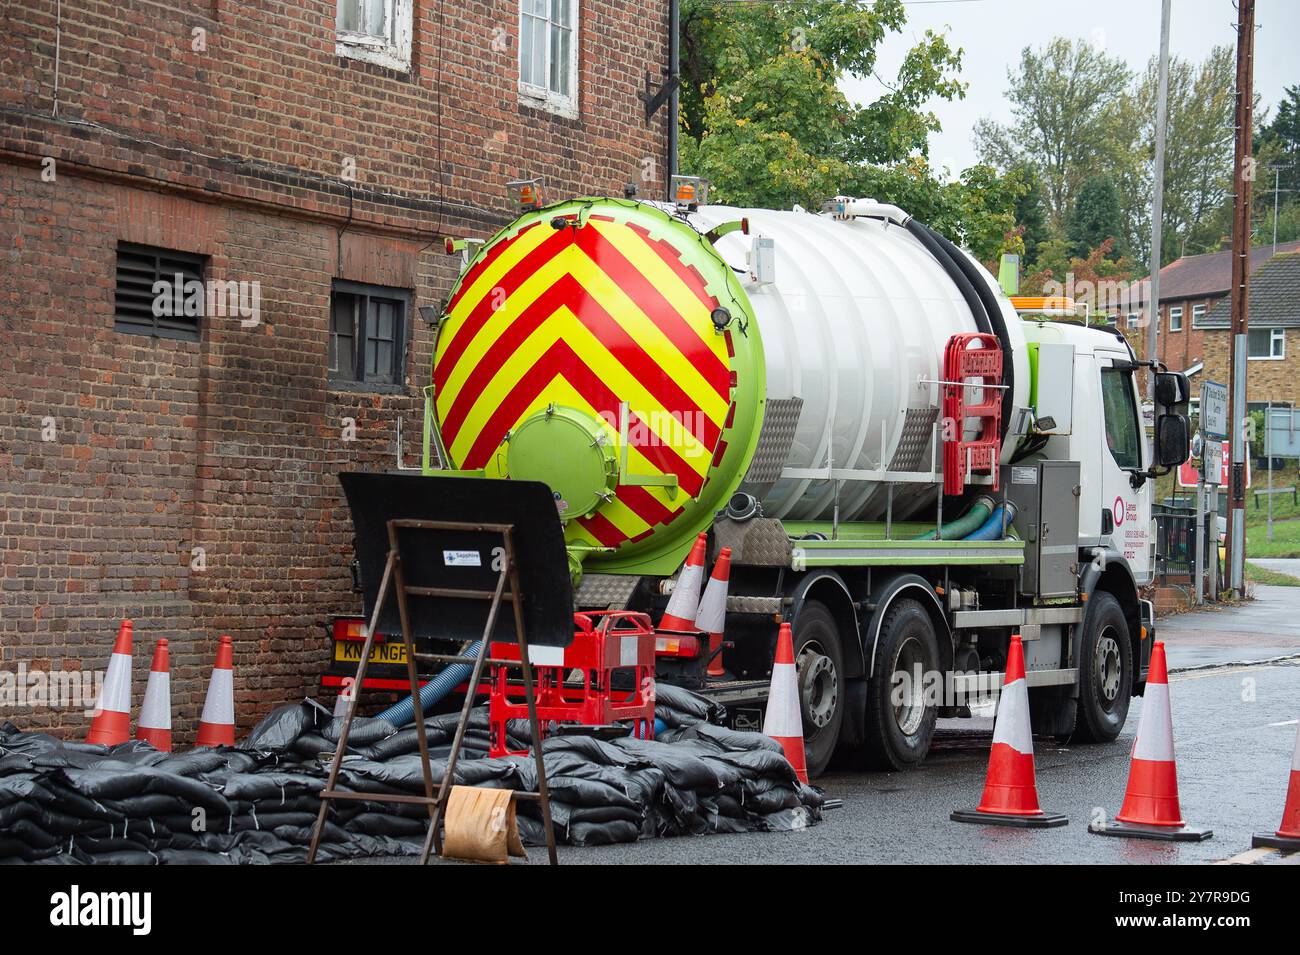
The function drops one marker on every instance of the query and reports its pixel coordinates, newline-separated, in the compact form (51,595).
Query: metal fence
(1176,541)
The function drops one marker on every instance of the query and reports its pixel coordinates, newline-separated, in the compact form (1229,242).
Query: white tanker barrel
(623,354)
(855,315)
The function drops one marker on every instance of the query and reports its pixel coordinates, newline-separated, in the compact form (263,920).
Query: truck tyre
(899,730)
(1053,712)
(820,664)
(1105,670)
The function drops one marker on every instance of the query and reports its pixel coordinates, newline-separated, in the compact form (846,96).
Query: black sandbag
(386,824)
(114,784)
(271,787)
(603,833)
(280,729)
(274,820)
(18,788)
(588,792)
(684,707)
(683,763)
(365,730)
(721,738)
(194,763)
(407,740)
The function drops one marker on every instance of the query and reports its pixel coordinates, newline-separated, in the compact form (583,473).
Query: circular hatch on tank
(568,451)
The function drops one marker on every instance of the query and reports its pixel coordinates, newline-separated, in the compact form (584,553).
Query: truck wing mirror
(1173,391)
(1172,440)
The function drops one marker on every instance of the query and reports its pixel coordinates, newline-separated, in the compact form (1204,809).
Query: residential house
(1194,331)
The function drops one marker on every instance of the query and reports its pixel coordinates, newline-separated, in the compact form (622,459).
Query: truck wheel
(820,666)
(1105,671)
(900,722)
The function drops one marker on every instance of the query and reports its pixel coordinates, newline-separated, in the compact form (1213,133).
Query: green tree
(1066,101)
(1077,112)
(1095,216)
(1031,217)
(763,118)
(1198,154)
(1283,133)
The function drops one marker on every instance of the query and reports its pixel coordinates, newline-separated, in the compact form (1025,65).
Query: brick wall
(1266,380)
(1182,349)
(190,485)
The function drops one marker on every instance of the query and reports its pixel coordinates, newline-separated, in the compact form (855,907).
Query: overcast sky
(993,32)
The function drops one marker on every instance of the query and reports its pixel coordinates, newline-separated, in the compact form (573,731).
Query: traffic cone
(685,599)
(782,721)
(217,724)
(1010,791)
(712,615)
(1288,834)
(1151,809)
(111,721)
(155,723)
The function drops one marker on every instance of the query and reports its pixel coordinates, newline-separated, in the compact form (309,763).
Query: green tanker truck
(900,465)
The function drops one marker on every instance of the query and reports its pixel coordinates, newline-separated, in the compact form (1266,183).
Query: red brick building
(295,164)
(1195,324)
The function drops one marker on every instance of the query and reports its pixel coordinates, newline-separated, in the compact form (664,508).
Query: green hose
(968,523)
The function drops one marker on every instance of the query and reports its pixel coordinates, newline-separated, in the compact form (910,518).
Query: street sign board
(1214,409)
(1282,439)
(1216,453)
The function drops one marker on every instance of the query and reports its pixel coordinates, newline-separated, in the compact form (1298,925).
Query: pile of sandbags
(76,802)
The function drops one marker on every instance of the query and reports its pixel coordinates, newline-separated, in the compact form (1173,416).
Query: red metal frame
(605,643)
(974,355)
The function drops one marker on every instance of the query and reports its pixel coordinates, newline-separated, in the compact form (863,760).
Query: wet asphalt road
(1234,727)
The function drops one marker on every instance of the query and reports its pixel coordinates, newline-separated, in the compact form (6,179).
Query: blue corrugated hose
(452,675)
(995,528)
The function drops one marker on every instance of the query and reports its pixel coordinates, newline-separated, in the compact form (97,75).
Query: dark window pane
(367,334)
(342,351)
(1121,417)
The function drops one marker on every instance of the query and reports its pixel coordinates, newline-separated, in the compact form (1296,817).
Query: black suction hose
(930,239)
(996,323)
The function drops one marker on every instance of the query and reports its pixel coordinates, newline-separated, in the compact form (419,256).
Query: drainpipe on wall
(674,39)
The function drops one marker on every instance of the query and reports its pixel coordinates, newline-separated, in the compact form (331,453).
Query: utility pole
(1243,172)
(1158,199)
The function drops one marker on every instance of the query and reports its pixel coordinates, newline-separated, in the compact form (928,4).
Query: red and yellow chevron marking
(589,318)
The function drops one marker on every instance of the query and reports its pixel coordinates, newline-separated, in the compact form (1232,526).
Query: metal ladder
(507,590)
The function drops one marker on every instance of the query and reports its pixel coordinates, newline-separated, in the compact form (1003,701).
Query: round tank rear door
(567,450)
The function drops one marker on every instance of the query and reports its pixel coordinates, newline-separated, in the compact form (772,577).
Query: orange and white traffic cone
(1287,836)
(782,721)
(1151,809)
(217,724)
(684,602)
(110,723)
(155,723)
(1010,789)
(712,615)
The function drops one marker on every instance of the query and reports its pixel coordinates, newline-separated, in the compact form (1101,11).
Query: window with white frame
(1175,318)
(1264,344)
(548,55)
(377,31)
(1198,315)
